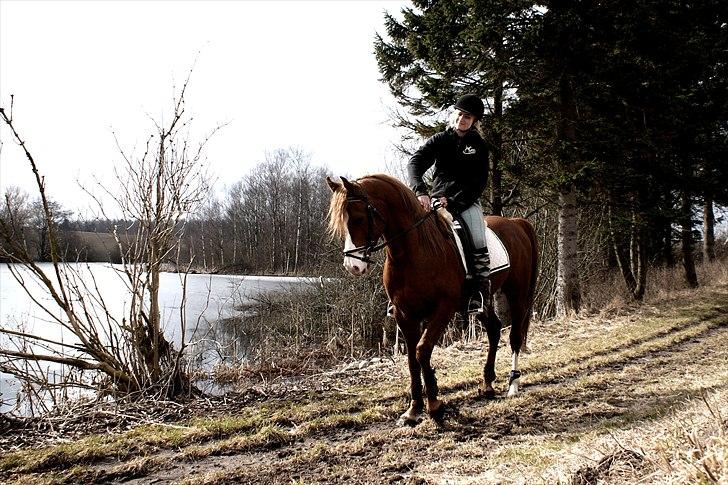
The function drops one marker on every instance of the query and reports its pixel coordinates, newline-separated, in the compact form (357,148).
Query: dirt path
(587,383)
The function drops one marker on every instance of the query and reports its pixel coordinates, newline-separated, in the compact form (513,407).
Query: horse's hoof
(436,410)
(438,415)
(408,419)
(434,407)
(488,394)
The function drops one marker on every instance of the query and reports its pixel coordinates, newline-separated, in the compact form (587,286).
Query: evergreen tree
(441,50)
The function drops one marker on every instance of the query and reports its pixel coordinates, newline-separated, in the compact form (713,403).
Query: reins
(371,245)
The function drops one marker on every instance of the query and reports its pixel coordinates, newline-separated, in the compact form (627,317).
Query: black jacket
(461,168)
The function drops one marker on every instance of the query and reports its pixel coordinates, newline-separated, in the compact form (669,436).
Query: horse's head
(354,218)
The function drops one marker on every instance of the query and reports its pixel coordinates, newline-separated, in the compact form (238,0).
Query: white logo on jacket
(468,150)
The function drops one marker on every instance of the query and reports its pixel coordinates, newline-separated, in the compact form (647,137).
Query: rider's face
(465,120)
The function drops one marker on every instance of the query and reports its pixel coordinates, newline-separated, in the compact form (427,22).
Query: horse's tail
(531,233)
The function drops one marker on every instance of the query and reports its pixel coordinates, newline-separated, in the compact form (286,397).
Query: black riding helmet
(472,104)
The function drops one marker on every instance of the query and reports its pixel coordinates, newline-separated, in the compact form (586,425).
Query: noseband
(371,245)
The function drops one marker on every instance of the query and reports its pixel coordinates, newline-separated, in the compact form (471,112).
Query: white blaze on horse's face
(354,266)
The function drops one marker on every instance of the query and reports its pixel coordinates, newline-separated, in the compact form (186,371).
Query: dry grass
(596,419)
(688,445)
(693,445)
(606,293)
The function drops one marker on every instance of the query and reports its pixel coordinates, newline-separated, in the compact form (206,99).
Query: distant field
(96,246)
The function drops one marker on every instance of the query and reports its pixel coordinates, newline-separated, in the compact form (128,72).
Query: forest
(270,222)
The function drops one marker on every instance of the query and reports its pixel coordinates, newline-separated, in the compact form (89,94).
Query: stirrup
(476,304)
(390,309)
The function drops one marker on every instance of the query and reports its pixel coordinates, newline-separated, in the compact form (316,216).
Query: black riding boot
(481,274)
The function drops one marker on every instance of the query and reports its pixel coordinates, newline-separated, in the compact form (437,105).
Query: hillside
(627,395)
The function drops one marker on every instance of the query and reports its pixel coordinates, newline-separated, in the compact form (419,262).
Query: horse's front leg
(435,328)
(411,331)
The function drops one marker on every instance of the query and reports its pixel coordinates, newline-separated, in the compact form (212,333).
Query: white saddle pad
(498,255)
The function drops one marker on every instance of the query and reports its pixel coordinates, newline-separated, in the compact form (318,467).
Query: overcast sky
(281,73)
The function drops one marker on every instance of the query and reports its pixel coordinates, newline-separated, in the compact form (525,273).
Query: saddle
(499,259)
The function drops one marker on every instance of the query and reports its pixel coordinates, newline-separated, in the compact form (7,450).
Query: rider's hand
(424,202)
(438,203)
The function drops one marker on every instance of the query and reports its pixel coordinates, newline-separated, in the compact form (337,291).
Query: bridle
(371,245)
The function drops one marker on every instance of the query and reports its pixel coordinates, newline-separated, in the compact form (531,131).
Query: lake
(209,299)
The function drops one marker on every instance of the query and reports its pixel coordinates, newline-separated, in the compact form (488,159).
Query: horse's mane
(337,210)
(433,233)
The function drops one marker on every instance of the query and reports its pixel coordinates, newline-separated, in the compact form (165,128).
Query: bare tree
(15,213)
(629,243)
(159,189)
(271,213)
(38,225)
(232,208)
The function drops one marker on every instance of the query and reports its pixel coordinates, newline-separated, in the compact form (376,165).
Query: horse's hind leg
(519,330)
(493,329)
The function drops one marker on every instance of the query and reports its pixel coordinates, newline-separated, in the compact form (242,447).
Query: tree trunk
(708,230)
(235,239)
(202,244)
(663,229)
(155,254)
(631,258)
(298,242)
(568,292)
(154,315)
(686,222)
(621,254)
(640,265)
(667,253)
(221,242)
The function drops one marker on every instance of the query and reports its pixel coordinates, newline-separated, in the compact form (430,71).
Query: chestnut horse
(424,277)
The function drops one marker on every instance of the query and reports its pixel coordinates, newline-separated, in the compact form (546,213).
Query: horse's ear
(333,185)
(348,185)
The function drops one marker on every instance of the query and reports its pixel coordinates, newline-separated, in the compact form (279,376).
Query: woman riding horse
(423,274)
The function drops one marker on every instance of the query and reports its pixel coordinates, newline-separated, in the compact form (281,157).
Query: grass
(260,428)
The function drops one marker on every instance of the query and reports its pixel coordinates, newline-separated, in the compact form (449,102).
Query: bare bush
(158,190)
(306,328)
